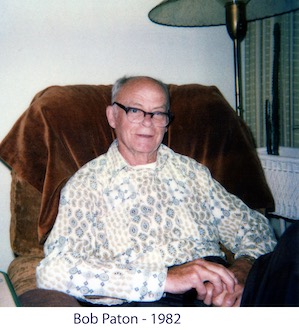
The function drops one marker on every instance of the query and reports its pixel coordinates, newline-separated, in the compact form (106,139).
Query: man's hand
(225,299)
(196,274)
(240,268)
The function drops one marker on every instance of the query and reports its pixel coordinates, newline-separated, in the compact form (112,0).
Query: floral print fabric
(120,227)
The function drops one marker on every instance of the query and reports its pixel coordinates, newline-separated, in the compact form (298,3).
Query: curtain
(263,61)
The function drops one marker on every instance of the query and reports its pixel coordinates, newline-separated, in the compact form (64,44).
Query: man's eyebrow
(161,107)
(139,106)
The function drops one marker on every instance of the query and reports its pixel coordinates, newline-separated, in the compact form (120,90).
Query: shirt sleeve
(75,263)
(242,230)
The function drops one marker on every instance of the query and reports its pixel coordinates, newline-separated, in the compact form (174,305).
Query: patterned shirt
(120,227)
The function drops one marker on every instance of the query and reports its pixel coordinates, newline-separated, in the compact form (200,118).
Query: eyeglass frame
(127,109)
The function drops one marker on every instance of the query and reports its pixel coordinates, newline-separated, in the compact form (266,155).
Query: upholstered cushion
(47,298)
(21,272)
(25,207)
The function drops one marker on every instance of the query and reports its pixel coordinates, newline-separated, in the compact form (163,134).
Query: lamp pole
(236,26)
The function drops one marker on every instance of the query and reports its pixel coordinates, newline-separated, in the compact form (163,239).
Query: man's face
(138,142)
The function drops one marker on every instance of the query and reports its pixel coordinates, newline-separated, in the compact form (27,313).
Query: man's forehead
(142,83)
(140,87)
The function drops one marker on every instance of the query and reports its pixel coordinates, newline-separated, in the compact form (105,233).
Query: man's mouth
(147,136)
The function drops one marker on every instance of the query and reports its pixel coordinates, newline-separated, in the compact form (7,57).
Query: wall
(95,42)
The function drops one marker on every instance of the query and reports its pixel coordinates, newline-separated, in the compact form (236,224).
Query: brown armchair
(65,127)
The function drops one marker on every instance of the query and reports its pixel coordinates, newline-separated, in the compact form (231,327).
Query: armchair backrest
(65,127)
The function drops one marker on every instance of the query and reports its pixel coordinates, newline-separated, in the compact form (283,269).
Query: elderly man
(143,224)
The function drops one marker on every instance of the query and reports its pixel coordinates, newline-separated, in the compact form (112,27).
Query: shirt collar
(116,161)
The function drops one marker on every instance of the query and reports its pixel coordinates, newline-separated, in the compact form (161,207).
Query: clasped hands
(215,284)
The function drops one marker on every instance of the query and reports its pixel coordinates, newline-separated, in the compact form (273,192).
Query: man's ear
(111,116)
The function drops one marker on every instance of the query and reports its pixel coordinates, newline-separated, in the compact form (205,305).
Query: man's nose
(147,120)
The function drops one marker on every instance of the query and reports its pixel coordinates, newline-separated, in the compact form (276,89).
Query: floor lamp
(198,13)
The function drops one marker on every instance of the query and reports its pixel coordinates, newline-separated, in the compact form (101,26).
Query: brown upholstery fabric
(47,298)
(65,127)
(207,129)
(21,272)
(25,207)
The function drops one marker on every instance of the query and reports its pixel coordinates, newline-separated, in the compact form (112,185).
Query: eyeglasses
(135,115)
